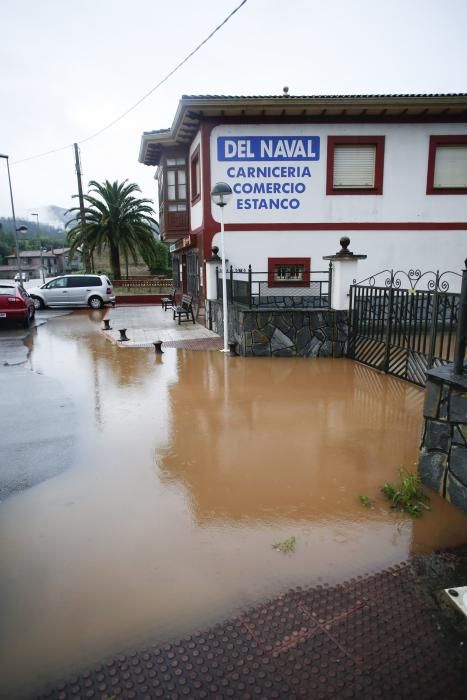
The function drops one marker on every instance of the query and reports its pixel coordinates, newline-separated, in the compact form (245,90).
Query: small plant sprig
(287,546)
(408,495)
(366,501)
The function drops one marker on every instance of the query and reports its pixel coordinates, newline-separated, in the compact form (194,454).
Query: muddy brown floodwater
(190,467)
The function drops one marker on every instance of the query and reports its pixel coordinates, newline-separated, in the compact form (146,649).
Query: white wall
(425,250)
(404,197)
(196,211)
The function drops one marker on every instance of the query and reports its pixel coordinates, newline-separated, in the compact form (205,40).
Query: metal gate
(403,331)
(192,274)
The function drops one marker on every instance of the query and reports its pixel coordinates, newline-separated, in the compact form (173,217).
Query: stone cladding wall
(443,452)
(284,332)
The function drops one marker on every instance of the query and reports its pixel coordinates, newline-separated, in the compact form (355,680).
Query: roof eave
(319,103)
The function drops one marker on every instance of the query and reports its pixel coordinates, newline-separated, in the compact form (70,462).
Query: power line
(136,104)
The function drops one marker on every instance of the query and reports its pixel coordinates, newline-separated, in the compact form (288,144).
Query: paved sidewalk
(373,637)
(147,324)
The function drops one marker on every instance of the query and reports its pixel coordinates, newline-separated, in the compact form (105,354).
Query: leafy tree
(7,244)
(159,264)
(116,220)
(5,249)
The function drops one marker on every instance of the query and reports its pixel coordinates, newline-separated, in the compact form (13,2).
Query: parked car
(22,277)
(74,290)
(16,304)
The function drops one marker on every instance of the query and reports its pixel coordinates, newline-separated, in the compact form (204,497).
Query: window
(447,165)
(195,173)
(160,190)
(355,165)
(288,272)
(176,182)
(176,185)
(173,194)
(84,281)
(60,282)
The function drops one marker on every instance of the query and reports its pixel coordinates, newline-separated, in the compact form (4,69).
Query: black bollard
(232,349)
(113,304)
(158,347)
(123,335)
(107,326)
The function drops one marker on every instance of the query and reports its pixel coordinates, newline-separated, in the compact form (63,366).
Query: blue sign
(285,148)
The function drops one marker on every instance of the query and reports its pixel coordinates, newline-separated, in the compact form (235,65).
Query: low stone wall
(136,299)
(443,452)
(283,333)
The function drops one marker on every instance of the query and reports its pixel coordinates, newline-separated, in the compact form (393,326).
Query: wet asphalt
(35,443)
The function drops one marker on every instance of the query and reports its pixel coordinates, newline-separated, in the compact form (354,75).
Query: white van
(74,290)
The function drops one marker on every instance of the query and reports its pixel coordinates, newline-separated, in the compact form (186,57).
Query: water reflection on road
(190,467)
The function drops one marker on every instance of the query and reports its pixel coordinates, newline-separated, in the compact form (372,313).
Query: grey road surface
(37,418)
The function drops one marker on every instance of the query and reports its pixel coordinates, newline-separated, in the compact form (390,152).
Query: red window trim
(195,196)
(272,262)
(436,141)
(377,141)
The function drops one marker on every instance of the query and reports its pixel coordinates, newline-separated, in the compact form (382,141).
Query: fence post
(330,284)
(231,284)
(350,344)
(387,339)
(250,301)
(209,312)
(459,353)
(434,323)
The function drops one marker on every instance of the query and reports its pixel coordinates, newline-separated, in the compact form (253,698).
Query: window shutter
(450,166)
(354,165)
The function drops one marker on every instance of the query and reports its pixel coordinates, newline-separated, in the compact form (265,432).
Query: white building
(34,263)
(389,171)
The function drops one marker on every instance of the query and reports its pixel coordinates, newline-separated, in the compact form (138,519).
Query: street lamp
(220,195)
(40,246)
(18,260)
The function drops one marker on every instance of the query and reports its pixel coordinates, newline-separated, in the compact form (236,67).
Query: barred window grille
(288,273)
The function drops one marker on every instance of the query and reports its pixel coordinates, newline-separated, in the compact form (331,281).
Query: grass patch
(287,546)
(407,495)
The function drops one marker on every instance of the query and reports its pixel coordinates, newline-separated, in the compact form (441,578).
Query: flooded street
(188,467)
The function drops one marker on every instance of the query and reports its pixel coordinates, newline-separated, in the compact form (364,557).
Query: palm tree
(116,220)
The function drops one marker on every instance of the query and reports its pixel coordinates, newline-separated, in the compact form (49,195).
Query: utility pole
(86,256)
(40,246)
(18,256)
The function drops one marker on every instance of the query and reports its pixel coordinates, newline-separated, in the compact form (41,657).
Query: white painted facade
(425,250)
(402,227)
(404,195)
(404,200)
(196,210)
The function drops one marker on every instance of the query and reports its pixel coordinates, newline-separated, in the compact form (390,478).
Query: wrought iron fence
(140,282)
(405,330)
(254,289)
(461,337)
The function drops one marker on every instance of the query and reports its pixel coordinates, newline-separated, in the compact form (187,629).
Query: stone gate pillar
(211,279)
(344,264)
(443,454)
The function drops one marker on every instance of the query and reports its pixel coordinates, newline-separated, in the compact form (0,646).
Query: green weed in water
(366,501)
(407,495)
(287,546)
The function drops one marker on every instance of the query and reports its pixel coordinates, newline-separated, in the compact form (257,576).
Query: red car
(16,304)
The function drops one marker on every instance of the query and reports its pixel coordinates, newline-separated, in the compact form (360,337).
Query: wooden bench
(185,308)
(170,300)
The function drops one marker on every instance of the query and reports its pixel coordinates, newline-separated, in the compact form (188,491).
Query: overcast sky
(67,69)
